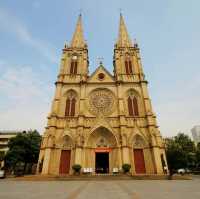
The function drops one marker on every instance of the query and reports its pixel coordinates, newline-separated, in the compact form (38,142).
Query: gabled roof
(95,77)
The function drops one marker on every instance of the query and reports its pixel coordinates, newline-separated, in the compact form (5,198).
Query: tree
(180,152)
(2,155)
(198,156)
(23,150)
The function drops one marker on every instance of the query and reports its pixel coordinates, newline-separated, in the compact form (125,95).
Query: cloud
(13,25)
(25,98)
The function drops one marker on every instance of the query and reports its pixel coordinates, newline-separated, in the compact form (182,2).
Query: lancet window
(74,65)
(133,106)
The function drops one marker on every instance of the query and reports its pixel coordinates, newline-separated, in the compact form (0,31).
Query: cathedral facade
(101,121)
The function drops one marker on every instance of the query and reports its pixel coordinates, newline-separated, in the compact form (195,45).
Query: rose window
(101,101)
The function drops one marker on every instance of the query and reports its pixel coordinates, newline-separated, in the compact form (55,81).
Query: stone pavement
(123,189)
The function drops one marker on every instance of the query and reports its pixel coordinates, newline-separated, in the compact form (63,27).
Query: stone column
(125,148)
(78,156)
(47,156)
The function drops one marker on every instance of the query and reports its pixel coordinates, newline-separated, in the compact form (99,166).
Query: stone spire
(123,37)
(78,38)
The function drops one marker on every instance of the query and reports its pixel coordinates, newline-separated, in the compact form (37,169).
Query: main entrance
(65,161)
(139,161)
(102,162)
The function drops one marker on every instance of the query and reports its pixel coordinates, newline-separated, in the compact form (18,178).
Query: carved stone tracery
(138,142)
(101,102)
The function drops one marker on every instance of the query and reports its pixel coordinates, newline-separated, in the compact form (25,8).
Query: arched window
(67,108)
(128,66)
(74,65)
(70,106)
(133,106)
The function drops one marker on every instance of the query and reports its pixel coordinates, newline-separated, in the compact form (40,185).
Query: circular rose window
(101,102)
(101,76)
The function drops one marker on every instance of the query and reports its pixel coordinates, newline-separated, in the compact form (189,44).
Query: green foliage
(126,168)
(185,142)
(197,157)
(24,148)
(180,153)
(2,155)
(76,168)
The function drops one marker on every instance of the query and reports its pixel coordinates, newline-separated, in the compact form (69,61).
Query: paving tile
(123,189)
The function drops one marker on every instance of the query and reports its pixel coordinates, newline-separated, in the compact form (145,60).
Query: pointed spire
(123,37)
(78,39)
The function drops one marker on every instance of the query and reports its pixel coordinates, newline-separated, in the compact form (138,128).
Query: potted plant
(76,168)
(126,168)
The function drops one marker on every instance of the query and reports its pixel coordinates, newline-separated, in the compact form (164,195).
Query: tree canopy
(24,148)
(181,152)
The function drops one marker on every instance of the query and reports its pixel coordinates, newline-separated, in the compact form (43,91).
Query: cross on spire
(100,60)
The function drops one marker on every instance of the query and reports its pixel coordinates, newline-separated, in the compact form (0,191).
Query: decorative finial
(65,45)
(80,12)
(135,43)
(120,11)
(100,60)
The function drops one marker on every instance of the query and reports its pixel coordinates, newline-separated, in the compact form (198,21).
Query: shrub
(126,168)
(76,168)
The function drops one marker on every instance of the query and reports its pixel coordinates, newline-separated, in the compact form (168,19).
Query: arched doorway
(102,150)
(65,157)
(138,154)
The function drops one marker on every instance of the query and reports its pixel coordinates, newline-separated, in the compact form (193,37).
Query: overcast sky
(32,34)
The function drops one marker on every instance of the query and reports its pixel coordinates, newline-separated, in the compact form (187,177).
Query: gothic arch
(133,102)
(73,69)
(101,133)
(128,62)
(66,140)
(70,93)
(70,100)
(50,141)
(137,132)
(132,91)
(138,141)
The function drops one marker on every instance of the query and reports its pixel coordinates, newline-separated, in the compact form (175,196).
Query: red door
(139,161)
(65,161)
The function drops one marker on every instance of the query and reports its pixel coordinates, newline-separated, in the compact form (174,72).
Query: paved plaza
(135,189)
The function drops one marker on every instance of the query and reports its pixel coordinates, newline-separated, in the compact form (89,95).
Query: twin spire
(78,38)
(122,41)
(123,37)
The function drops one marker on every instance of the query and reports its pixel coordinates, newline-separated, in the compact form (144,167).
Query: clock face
(74,57)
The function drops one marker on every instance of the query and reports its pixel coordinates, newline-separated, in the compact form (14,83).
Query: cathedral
(101,121)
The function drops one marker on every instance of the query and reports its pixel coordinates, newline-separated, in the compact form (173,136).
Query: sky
(33,33)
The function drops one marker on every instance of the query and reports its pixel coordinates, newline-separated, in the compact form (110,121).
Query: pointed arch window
(74,65)
(70,107)
(128,66)
(133,106)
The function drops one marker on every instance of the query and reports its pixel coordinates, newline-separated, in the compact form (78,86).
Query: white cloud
(25,98)
(13,25)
